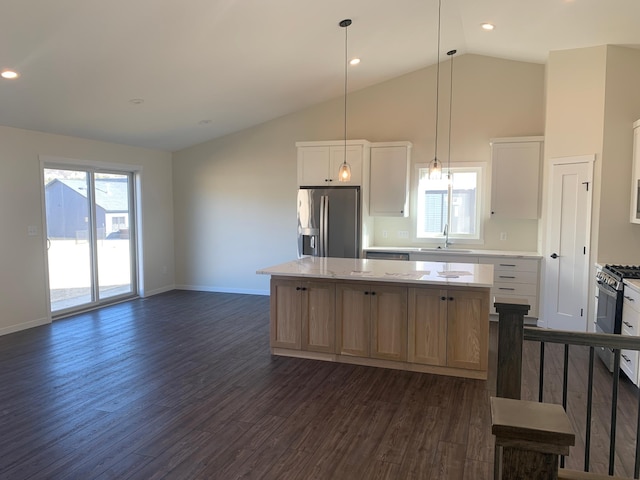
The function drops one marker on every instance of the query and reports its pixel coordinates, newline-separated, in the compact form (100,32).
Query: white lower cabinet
(515,277)
(630,325)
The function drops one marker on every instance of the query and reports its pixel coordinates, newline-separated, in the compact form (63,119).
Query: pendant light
(435,167)
(344,174)
(451,53)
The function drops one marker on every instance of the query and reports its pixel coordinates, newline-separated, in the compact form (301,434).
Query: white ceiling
(237,63)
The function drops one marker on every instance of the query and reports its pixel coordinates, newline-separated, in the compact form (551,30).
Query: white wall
(23,296)
(618,238)
(592,102)
(234,197)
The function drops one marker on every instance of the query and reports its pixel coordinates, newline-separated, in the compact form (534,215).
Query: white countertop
(456,251)
(635,284)
(421,273)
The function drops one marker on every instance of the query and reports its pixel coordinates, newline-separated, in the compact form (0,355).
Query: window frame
(480,169)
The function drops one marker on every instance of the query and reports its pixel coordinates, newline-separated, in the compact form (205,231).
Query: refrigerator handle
(321,229)
(325,226)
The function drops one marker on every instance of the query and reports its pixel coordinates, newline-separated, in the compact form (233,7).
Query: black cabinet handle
(297,288)
(373,293)
(628,324)
(366,293)
(554,255)
(443,298)
(506,276)
(626,359)
(505,288)
(451,299)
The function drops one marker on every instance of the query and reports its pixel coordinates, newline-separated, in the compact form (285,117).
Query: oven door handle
(605,290)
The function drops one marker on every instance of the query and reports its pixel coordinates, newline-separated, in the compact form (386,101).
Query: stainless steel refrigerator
(329,222)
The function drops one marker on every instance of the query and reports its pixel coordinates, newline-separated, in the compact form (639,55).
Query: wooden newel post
(511,314)
(532,436)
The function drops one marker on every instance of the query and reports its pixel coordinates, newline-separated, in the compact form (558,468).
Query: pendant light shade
(344,174)
(435,167)
(435,170)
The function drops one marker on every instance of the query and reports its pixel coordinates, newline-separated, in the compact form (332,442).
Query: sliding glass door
(90,237)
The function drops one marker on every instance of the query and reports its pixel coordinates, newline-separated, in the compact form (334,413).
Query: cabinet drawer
(631,298)
(629,364)
(515,277)
(512,264)
(630,320)
(525,289)
(533,302)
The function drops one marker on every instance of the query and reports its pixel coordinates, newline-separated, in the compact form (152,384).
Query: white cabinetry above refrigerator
(319,162)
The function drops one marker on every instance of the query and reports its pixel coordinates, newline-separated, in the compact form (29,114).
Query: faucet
(447,243)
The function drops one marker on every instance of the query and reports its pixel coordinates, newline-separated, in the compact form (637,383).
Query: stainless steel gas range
(610,294)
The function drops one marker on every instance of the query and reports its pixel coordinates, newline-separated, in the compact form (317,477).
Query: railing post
(532,436)
(511,314)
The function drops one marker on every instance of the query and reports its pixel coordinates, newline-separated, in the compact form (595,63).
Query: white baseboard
(202,288)
(158,291)
(24,326)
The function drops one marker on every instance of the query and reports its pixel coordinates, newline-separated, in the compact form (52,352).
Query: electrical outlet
(385,234)
(403,234)
(503,235)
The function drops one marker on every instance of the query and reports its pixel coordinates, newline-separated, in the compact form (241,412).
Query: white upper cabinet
(515,180)
(635,175)
(319,162)
(389,179)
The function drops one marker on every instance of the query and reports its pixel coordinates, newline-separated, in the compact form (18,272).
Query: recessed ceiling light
(9,74)
(136,101)
(488,26)
(354,61)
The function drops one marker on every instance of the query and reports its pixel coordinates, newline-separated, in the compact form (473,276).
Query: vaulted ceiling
(169,74)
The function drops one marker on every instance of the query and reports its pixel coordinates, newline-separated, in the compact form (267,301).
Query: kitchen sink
(444,250)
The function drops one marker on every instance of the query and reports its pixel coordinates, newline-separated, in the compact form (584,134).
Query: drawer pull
(626,359)
(506,276)
(505,288)
(628,324)
(507,265)
(629,298)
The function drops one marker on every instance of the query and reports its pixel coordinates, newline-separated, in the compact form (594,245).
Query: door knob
(554,255)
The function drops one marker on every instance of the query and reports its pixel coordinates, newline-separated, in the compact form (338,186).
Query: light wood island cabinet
(448,327)
(415,316)
(302,315)
(371,321)
(467,331)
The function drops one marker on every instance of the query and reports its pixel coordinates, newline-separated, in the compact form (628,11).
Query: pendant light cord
(451,53)
(346,73)
(435,155)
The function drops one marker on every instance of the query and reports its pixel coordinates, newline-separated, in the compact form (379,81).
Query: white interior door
(567,254)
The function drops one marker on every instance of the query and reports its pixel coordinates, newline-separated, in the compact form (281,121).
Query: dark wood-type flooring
(182,385)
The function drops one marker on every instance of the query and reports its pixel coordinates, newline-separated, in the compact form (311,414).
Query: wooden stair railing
(511,334)
(532,436)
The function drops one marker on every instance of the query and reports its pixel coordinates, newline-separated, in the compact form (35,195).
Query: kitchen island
(429,317)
